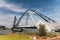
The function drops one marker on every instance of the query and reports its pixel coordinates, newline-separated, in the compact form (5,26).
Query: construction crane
(52,23)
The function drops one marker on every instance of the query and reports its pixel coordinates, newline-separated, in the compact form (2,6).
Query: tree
(42,30)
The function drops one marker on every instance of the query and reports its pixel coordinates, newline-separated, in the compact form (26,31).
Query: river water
(8,31)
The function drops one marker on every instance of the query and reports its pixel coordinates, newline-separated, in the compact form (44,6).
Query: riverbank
(26,36)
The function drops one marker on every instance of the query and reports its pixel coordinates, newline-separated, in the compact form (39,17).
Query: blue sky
(10,8)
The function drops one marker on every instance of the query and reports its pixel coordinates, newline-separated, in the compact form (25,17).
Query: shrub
(42,30)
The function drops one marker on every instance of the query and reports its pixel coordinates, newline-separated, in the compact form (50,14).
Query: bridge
(55,26)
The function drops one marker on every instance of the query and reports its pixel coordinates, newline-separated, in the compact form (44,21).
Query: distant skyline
(11,8)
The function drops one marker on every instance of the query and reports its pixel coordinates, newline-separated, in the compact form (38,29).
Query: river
(8,31)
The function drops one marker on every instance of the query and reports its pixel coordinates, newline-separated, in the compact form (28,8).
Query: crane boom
(21,18)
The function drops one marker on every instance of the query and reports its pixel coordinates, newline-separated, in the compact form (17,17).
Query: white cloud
(12,7)
(7,20)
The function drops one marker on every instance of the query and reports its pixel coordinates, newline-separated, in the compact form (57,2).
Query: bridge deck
(20,29)
(26,27)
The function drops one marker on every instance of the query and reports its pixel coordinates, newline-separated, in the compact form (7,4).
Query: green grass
(14,37)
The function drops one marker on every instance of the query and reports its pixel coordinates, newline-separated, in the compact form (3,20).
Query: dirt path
(54,38)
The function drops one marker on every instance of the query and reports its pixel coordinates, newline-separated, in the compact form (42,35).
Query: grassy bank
(14,37)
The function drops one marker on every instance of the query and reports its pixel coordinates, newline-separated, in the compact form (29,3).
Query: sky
(11,8)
